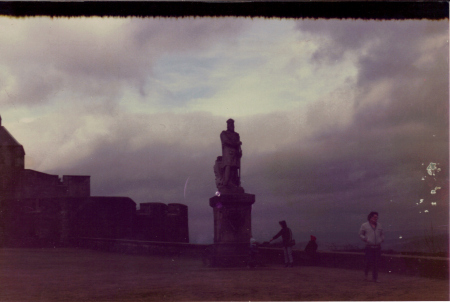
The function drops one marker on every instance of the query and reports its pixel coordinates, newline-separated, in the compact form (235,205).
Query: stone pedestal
(232,228)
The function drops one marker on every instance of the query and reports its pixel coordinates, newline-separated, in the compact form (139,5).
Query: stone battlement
(430,267)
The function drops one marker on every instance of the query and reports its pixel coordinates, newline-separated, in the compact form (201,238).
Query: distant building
(43,209)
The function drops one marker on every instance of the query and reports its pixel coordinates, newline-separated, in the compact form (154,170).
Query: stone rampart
(431,267)
(127,246)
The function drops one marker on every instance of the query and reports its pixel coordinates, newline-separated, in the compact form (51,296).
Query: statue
(227,167)
(218,172)
(232,207)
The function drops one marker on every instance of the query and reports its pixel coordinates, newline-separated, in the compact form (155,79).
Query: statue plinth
(232,228)
(230,190)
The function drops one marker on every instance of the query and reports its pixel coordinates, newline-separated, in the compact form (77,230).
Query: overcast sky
(337,117)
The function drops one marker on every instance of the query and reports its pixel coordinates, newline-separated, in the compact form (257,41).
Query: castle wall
(37,221)
(157,221)
(151,221)
(34,184)
(77,186)
(40,209)
(12,156)
(177,229)
(105,217)
(11,164)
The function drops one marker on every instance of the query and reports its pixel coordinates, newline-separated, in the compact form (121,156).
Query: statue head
(230,125)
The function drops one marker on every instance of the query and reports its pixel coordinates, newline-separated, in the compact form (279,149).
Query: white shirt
(371,235)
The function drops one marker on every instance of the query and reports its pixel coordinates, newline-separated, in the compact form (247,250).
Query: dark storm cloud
(344,35)
(150,157)
(402,77)
(399,125)
(412,55)
(54,58)
(181,35)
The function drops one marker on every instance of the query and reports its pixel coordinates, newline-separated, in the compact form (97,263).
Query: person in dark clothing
(311,250)
(286,235)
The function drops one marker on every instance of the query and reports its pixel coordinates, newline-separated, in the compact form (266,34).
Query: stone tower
(12,163)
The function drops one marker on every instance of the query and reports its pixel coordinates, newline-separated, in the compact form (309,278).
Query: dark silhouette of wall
(177,223)
(12,156)
(160,222)
(151,221)
(105,217)
(37,221)
(40,209)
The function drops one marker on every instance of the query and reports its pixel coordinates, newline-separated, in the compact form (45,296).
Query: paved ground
(83,275)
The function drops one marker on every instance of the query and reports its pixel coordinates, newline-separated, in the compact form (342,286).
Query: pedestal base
(232,229)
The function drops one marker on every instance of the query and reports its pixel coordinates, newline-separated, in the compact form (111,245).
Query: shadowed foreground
(84,275)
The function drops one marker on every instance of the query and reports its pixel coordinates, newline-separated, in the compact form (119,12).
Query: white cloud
(263,75)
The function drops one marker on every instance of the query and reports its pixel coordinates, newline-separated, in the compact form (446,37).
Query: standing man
(372,234)
(286,235)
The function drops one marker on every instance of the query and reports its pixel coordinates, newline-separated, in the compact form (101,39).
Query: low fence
(431,267)
(143,247)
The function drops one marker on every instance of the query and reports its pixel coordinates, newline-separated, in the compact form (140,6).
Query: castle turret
(12,162)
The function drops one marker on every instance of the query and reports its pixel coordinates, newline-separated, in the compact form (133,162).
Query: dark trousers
(373,255)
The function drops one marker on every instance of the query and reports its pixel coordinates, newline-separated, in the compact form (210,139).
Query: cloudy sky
(337,117)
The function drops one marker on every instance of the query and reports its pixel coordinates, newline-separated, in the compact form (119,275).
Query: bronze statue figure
(227,167)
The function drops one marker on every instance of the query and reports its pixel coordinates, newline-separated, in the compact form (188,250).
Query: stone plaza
(85,275)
